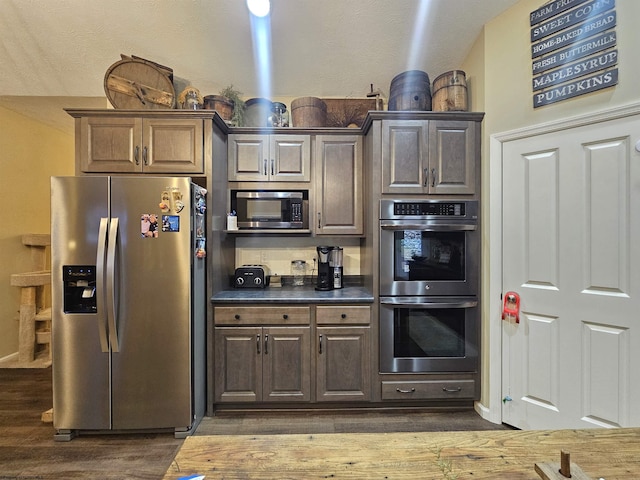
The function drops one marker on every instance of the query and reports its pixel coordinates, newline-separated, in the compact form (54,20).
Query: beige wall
(31,153)
(277,252)
(508,93)
(499,71)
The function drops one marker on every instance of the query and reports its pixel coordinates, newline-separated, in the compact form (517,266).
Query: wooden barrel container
(450,92)
(410,90)
(137,83)
(257,112)
(308,112)
(220,104)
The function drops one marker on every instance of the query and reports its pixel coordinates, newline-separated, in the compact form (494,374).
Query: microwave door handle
(440,227)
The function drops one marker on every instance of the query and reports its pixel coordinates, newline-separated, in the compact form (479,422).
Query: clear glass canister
(280,116)
(298,271)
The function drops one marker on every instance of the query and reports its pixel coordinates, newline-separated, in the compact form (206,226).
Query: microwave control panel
(296,210)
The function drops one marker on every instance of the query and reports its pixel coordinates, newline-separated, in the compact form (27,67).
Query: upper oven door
(420,258)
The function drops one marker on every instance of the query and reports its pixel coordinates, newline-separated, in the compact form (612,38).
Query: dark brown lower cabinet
(343,364)
(263,354)
(262,364)
(343,353)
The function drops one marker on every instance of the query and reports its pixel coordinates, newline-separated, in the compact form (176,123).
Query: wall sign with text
(573,49)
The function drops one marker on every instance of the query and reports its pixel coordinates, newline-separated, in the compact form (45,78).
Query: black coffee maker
(325,272)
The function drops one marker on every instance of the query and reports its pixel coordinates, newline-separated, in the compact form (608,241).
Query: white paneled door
(571,250)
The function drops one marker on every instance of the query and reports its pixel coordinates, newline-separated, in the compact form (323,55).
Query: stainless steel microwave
(261,210)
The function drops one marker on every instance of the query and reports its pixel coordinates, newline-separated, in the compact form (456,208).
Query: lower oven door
(429,334)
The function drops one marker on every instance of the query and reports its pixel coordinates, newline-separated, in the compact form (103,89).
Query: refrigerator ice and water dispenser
(79,286)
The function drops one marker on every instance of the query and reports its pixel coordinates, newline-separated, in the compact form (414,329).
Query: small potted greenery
(238,104)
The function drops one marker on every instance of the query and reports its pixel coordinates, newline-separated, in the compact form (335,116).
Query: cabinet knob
(236,316)
(344,315)
(285,316)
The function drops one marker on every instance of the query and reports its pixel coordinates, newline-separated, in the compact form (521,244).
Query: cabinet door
(405,155)
(109,144)
(262,158)
(343,366)
(248,158)
(286,364)
(132,145)
(238,364)
(173,146)
(338,185)
(452,161)
(290,158)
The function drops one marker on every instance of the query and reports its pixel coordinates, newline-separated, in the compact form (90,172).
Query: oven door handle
(425,303)
(440,227)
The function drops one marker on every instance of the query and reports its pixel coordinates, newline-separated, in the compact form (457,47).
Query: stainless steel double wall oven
(429,286)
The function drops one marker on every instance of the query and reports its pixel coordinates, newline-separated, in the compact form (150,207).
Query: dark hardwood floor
(356,421)
(28,451)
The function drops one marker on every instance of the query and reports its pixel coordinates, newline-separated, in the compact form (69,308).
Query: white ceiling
(323,48)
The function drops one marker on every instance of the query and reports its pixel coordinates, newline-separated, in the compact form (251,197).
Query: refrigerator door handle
(112,249)
(100,292)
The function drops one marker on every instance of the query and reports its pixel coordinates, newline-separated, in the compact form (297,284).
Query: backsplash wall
(278,252)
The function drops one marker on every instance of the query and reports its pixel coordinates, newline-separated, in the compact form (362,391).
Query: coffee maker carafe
(335,262)
(325,272)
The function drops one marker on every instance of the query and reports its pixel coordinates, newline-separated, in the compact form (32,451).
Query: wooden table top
(607,454)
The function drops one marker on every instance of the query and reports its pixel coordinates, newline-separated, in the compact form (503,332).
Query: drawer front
(343,315)
(262,315)
(428,390)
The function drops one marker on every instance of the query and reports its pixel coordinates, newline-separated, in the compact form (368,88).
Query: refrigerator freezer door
(81,398)
(152,371)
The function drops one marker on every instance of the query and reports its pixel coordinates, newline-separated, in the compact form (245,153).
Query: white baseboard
(9,358)
(486,413)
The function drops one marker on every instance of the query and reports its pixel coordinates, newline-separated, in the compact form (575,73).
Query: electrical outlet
(251,258)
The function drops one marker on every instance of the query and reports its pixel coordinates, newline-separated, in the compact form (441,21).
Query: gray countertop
(289,294)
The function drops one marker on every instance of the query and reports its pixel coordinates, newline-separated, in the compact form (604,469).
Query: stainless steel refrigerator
(128,304)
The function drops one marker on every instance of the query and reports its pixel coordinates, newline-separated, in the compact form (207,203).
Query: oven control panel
(449,209)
